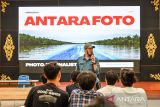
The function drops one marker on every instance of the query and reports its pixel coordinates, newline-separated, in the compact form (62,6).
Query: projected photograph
(59,33)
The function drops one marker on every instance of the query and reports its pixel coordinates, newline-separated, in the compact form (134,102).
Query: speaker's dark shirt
(86,65)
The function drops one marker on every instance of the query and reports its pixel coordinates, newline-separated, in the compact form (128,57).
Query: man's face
(89,51)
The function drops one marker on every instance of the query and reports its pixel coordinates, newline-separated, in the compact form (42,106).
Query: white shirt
(107,90)
(129,97)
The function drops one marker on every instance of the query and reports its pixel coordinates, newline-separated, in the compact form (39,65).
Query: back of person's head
(101,102)
(111,77)
(43,78)
(74,75)
(127,77)
(51,70)
(86,80)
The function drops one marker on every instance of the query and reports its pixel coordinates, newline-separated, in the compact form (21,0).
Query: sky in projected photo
(79,33)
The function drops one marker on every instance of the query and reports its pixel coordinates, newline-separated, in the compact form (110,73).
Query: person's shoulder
(62,91)
(63,94)
(98,93)
(140,90)
(40,87)
(52,87)
(33,89)
(117,90)
(101,89)
(105,90)
(76,91)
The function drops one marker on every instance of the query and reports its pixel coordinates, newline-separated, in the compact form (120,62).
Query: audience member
(111,78)
(128,96)
(74,84)
(48,95)
(85,95)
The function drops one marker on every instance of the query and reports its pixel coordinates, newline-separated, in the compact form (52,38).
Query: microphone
(47,98)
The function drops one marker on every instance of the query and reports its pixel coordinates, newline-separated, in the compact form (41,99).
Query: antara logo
(75,20)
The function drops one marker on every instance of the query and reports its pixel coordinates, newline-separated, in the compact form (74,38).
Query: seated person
(85,95)
(128,96)
(55,96)
(74,84)
(111,78)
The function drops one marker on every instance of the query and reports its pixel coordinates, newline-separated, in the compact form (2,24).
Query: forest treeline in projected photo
(129,40)
(38,48)
(32,40)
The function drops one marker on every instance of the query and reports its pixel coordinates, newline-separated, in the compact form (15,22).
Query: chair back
(23,81)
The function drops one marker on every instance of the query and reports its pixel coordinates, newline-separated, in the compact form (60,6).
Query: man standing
(48,95)
(88,62)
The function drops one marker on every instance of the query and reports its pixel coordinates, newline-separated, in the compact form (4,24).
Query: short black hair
(51,70)
(111,77)
(86,80)
(74,75)
(127,77)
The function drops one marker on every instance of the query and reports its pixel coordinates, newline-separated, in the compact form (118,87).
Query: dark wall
(149,24)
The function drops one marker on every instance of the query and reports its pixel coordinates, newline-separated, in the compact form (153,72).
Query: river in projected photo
(73,51)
